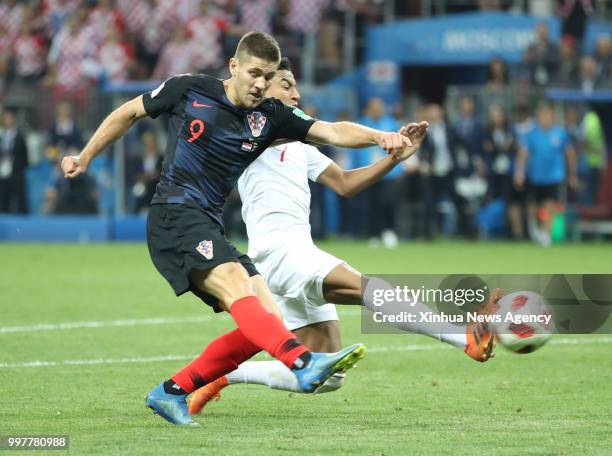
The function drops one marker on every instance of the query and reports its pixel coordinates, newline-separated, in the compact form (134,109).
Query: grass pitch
(410,395)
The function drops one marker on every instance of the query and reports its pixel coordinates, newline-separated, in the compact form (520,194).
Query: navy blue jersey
(211,141)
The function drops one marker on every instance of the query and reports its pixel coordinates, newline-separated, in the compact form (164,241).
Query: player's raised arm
(348,183)
(349,134)
(116,124)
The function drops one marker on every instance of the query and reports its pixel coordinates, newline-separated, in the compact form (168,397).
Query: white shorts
(294,273)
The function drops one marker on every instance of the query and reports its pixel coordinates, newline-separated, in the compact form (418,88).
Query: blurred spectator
(104,17)
(499,148)
(437,160)
(517,198)
(545,161)
(303,16)
(115,57)
(154,31)
(5,55)
(356,224)
(57,13)
(469,170)
(567,73)
(468,128)
(603,56)
(384,204)
(329,56)
(206,31)
(13,164)
(541,57)
(70,50)
(595,153)
(29,53)
(252,16)
(177,57)
(65,138)
(77,196)
(574,15)
(588,79)
(571,123)
(11,13)
(497,74)
(185,10)
(150,170)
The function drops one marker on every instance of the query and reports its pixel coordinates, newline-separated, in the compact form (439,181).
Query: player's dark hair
(260,45)
(284,65)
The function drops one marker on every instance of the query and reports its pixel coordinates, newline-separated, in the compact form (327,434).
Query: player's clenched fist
(72,166)
(393,143)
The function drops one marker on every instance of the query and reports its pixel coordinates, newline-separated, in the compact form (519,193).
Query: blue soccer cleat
(172,408)
(323,365)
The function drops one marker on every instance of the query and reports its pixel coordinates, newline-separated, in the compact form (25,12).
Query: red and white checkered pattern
(101,20)
(257,121)
(114,59)
(158,27)
(304,15)
(206,41)
(175,58)
(10,18)
(55,13)
(68,52)
(256,15)
(29,53)
(136,14)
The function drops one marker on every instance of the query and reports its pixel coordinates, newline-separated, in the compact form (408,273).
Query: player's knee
(229,282)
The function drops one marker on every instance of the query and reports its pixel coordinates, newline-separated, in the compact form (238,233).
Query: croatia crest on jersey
(257,121)
(206,249)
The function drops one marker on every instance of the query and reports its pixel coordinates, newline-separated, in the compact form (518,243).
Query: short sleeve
(293,122)
(317,162)
(166,96)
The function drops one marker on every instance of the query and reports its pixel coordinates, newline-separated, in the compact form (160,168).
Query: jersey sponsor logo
(257,121)
(206,249)
(200,105)
(247,146)
(301,114)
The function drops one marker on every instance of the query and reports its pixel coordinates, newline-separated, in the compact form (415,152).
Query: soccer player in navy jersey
(216,129)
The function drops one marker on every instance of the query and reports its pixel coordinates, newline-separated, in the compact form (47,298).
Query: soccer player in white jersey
(304,279)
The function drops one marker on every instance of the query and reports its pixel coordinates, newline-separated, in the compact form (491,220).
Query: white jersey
(275,194)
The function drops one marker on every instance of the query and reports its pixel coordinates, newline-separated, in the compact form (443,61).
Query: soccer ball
(523,323)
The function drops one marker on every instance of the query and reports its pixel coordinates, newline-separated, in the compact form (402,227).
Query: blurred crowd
(497,160)
(70,45)
(487,172)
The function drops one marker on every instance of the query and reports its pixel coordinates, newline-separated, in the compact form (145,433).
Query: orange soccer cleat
(202,396)
(480,338)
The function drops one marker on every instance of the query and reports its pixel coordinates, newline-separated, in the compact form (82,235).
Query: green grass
(409,396)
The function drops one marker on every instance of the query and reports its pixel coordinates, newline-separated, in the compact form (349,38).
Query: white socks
(276,375)
(443,331)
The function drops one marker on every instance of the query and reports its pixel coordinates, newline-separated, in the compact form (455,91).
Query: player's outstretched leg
(345,285)
(272,374)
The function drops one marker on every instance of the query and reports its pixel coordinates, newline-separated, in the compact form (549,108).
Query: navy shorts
(183,238)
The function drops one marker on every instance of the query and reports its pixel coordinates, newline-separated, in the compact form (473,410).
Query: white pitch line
(104,324)
(96,324)
(155,359)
